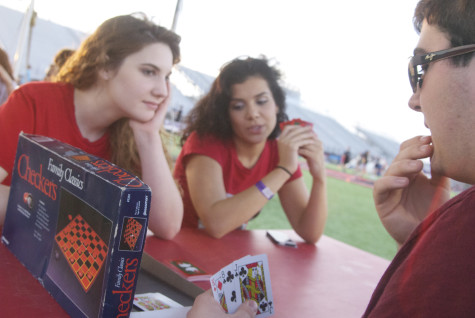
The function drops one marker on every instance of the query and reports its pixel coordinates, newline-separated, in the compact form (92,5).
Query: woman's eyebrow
(255,96)
(151,65)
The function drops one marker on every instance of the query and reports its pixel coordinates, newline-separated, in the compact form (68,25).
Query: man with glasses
(433,274)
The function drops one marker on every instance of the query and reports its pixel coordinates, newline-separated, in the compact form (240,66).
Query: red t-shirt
(47,109)
(236,177)
(433,275)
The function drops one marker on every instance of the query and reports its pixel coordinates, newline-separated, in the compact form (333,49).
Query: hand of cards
(296,121)
(246,278)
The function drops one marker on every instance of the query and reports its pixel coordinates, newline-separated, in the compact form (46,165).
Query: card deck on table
(190,271)
(296,121)
(246,278)
(154,301)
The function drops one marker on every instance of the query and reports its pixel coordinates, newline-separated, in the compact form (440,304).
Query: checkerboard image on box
(133,232)
(80,251)
(84,250)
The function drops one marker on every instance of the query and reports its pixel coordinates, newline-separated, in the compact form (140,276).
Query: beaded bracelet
(264,190)
(285,169)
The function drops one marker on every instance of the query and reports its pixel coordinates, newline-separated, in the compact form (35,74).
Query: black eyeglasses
(419,63)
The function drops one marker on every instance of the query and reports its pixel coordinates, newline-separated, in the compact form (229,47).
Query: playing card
(246,278)
(296,121)
(154,301)
(217,286)
(254,283)
(226,288)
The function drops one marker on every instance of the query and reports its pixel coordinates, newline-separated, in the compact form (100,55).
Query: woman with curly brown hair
(235,156)
(110,100)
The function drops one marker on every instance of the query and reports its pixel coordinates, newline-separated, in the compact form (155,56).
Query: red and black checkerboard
(84,250)
(132,232)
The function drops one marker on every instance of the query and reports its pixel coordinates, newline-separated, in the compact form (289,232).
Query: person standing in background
(59,60)
(7,82)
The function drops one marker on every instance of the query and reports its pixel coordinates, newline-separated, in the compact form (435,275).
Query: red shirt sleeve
(208,146)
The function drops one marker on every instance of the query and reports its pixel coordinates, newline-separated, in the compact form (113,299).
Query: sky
(347,58)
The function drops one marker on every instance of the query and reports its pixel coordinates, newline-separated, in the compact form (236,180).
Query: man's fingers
(247,310)
(415,148)
(383,187)
(404,168)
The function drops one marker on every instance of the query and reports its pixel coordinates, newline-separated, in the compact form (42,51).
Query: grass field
(352,218)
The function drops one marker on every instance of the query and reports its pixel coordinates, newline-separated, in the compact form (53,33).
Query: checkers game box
(78,223)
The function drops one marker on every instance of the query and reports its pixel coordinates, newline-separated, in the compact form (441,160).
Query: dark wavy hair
(454,17)
(211,113)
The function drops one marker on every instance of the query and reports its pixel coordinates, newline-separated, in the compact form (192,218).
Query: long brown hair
(105,49)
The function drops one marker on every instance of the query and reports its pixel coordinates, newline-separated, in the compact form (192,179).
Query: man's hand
(404,196)
(205,306)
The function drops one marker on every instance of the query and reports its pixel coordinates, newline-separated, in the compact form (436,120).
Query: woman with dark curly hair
(232,162)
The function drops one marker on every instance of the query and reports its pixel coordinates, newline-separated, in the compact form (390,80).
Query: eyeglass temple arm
(434,56)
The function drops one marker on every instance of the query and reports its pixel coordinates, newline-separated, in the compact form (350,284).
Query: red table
(329,279)
(21,295)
